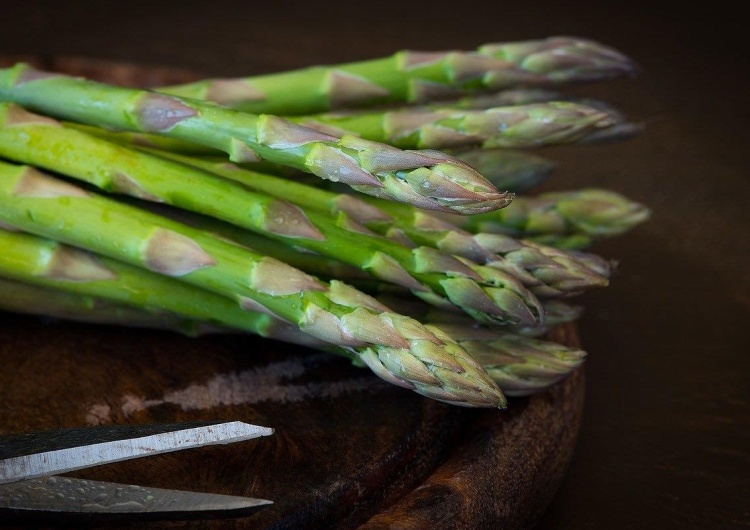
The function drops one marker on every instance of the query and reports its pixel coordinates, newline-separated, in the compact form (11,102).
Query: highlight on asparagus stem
(415,77)
(428,179)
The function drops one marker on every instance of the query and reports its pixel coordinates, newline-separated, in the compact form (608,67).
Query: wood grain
(349,450)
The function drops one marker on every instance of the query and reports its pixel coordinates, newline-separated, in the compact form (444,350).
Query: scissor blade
(62,496)
(47,453)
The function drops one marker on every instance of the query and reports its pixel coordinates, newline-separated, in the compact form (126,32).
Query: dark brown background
(665,438)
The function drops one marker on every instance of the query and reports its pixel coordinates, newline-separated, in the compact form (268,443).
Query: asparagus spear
(428,179)
(489,295)
(396,348)
(521,126)
(415,77)
(587,214)
(19,297)
(519,364)
(503,98)
(508,170)
(556,312)
(546,271)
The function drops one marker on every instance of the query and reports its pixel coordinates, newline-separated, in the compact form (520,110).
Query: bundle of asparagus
(195,215)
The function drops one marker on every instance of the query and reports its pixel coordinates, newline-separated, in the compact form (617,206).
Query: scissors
(30,489)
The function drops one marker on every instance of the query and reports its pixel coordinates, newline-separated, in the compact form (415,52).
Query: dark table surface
(665,437)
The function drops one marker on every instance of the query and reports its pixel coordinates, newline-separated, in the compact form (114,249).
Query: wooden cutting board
(349,451)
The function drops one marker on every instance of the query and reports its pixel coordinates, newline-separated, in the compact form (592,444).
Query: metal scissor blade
(50,497)
(41,454)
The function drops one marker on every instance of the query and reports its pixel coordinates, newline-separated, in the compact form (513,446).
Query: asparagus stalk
(415,77)
(508,170)
(546,271)
(428,179)
(556,218)
(489,295)
(19,297)
(503,98)
(519,364)
(396,348)
(522,126)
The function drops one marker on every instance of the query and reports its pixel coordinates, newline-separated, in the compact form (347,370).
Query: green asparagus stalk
(428,179)
(546,271)
(415,77)
(396,348)
(508,170)
(518,364)
(522,126)
(588,215)
(19,297)
(489,295)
